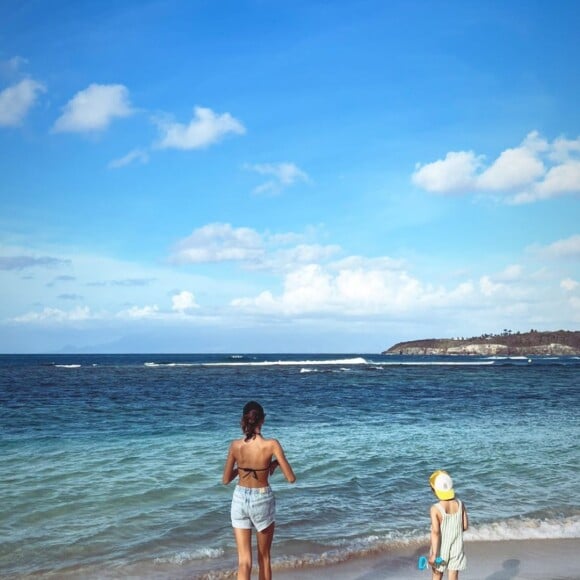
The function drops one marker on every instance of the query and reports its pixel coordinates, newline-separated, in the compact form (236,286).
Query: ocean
(112,464)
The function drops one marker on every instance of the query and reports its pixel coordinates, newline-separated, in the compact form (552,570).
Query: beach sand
(505,560)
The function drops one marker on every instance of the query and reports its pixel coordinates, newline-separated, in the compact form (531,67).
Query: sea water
(111,465)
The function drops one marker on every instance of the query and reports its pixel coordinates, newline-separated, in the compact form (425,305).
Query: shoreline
(538,559)
(545,559)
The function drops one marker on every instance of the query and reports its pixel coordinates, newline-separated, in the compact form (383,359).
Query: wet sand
(505,560)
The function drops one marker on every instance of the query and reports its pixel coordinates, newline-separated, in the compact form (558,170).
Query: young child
(448,522)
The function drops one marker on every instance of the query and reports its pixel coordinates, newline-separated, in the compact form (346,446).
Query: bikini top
(251,471)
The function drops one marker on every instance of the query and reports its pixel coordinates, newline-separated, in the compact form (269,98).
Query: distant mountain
(558,343)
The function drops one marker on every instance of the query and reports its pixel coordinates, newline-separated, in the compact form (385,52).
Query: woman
(253,459)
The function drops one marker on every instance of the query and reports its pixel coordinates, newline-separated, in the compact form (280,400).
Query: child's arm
(435,534)
(465,518)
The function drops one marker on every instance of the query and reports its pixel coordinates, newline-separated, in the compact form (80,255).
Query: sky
(265,176)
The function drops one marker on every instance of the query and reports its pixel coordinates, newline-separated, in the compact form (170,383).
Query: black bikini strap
(251,471)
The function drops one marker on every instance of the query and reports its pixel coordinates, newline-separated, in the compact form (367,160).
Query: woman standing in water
(253,459)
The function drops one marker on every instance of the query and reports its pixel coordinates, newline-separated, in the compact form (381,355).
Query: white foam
(265,363)
(437,363)
(526,529)
(68,366)
(180,558)
(152,364)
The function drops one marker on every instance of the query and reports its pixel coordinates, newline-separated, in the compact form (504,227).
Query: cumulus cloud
(79,314)
(94,108)
(569,285)
(383,289)
(17,100)
(453,174)
(386,289)
(302,254)
(205,129)
(134,156)
(24,262)
(534,170)
(139,313)
(183,302)
(283,175)
(219,242)
(568,248)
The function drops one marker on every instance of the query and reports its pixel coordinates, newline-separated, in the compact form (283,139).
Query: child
(448,522)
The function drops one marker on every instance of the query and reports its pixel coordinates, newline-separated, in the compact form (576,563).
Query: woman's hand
(273,466)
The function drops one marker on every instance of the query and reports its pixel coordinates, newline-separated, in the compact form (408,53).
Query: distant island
(508,343)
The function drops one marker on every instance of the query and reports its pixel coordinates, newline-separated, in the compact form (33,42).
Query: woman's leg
(265,538)
(244,543)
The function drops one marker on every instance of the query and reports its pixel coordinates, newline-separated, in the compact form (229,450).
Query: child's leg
(453,575)
(437,575)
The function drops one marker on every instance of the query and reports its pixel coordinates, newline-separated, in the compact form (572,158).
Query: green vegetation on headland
(508,343)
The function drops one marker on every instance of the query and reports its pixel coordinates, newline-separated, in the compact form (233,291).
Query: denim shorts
(253,506)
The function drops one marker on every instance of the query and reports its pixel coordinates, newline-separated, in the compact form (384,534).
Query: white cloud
(94,108)
(219,242)
(139,313)
(561,249)
(12,65)
(384,289)
(455,173)
(381,290)
(184,302)
(284,174)
(81,313)
(134,156)
(206,128)
(17,100)
(512,169)
(488,287)
(564,178)
(569,285)
(533,171)
(305,254)
(510,273)
(564,149)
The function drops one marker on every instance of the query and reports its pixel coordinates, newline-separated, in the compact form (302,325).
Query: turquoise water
(112,464)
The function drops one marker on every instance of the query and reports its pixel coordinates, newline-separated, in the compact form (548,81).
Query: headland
(508,343)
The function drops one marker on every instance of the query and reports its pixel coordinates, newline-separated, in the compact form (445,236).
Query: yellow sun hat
(442,484)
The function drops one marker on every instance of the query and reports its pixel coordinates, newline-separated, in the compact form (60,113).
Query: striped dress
(452,540)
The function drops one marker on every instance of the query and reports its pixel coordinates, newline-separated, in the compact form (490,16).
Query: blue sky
(266,176)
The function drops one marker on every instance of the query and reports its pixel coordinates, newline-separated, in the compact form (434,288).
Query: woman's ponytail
(252,417)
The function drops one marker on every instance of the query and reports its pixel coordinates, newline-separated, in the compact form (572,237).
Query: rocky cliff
(558,343)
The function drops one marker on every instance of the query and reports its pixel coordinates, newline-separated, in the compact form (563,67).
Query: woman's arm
(230,471)
(282,462)
(435,535)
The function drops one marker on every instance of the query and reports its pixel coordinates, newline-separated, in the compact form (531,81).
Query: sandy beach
(505,560)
